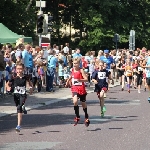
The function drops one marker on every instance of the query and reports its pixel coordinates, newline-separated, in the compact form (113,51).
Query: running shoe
(18,128)
(76,120)
(104,108)
(87,122)
(128,91)
(145,89)
(122,89)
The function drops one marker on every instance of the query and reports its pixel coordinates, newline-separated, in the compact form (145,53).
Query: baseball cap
(106,51)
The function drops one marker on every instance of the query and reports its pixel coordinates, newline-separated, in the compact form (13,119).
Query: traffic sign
(45,44)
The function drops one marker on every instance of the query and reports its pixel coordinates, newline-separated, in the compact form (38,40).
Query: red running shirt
(78,87)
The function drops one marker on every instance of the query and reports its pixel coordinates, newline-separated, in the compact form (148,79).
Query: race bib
(139,69)
(101,75)
(76,82)
(20,90)
(128,73)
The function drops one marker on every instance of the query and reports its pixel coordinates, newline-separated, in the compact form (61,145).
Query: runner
(78,78)
(147,71)
(20,92)
(128,73)
(121,66)
(139,74)
(99,78)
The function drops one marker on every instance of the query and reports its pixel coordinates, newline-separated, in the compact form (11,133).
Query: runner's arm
(85,79)
(68,81)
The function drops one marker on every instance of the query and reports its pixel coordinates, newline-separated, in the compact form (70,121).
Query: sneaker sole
(87,124)
(17,130)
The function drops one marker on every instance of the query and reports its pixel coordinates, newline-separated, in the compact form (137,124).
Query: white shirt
(66,49)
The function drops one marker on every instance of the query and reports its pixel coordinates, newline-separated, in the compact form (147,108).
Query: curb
(45,103)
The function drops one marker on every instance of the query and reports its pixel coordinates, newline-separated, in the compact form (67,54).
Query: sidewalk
(7,105)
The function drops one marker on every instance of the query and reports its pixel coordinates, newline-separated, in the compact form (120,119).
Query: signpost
(45,44)
(116,39)
(132,40)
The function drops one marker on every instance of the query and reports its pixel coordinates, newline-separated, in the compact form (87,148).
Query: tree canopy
(95,22)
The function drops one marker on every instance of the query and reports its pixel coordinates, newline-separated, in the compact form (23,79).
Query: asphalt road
(124,127)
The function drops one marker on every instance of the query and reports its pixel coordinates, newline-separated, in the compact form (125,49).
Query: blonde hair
(100,52)
(76,59)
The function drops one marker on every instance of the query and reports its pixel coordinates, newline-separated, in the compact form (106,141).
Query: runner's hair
(19,64)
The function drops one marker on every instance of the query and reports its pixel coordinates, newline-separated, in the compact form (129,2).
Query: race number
(76,82)
(101,75)
(139,69)
(20,90)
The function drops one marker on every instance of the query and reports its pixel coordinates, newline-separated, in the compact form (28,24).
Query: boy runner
(78,77)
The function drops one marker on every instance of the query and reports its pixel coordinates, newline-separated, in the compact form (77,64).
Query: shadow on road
(60,113)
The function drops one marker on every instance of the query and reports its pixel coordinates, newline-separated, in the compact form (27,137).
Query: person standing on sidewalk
(20,96)
(147,71)
(78,77)
(51,69)
(2,66)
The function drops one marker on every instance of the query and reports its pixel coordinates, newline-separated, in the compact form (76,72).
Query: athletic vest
(78,87)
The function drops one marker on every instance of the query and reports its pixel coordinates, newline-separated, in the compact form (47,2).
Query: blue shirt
(52,61)
(148,69)
(25,57)
(30,60)
(108,60)
(101,77)
(60,70)
(76,55)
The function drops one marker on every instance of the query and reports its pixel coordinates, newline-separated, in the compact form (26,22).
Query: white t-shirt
(66,49)
(45,54)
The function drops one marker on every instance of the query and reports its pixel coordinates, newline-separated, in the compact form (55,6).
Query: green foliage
(98,19)
(16,18)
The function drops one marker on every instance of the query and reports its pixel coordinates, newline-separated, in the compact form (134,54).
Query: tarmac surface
(49,126)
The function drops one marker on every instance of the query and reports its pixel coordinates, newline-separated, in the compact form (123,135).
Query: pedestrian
(20,95)
(100,79)
(78,77)
(147,71)
(51,69)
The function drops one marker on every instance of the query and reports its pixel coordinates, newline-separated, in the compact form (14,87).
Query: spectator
(51,68)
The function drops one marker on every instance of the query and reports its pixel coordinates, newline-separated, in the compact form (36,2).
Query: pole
(116,41)
(50,38)
(40,37)
(116,47)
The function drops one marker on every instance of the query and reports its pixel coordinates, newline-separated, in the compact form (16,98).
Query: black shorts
(148,81)
(130,77)
(34,81)
(139,80)
(19,100)
(81,97)
(120,73)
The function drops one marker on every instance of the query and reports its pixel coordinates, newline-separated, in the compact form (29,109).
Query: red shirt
(78,87)
(84,63)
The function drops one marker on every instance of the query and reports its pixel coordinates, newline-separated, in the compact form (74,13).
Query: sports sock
(85,111)
(76,108)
